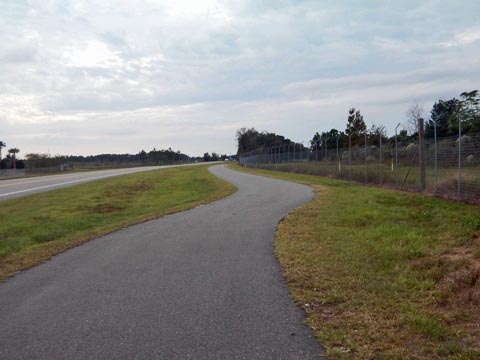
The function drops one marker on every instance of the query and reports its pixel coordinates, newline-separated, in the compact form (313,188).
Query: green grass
(36,227)
(383,273)
(408,177)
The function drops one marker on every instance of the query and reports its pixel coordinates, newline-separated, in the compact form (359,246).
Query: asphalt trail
(200,284)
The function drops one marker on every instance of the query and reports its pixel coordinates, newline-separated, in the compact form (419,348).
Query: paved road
(31,185)
(200,284)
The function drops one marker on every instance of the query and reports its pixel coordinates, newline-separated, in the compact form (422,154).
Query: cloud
(92,54)
(82,76)
(465,37)
(18,54)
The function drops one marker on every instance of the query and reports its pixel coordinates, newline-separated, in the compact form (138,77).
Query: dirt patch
(124,191)
(102,208)
(462,284)
(459,296)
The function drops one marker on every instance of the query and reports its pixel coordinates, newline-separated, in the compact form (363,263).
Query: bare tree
(415,111)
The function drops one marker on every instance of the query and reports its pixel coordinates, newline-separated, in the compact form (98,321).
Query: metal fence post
(381,172)
(366,166)
(436,158)
(459,154)
(350,157)
(325,147)
(421,144)
(396,157)
(338,158)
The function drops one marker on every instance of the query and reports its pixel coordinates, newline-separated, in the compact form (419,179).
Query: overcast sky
(89,76)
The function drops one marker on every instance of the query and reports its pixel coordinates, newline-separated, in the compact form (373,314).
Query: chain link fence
(62,168)
(447,167)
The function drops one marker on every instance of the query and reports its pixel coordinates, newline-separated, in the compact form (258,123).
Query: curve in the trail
(200,284)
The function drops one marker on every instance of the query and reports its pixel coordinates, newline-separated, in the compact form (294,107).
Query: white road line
(128,171)
(59,184)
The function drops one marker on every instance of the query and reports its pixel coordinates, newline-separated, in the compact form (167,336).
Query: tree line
(445,118)
(152,157)
(251,139)
(10,161)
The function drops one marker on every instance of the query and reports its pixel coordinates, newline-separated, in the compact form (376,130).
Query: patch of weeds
(101,208)
(427,325)
(386,200)
(436,268)
(471,222)
(128,190)
(10,246)
(47,234)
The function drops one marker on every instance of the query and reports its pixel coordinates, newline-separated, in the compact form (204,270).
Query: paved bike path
(200,284)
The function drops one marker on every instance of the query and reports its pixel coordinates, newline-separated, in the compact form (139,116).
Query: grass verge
(381,273)
(36,227)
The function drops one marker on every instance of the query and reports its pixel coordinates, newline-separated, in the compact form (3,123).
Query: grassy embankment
(36,227)
(408,177)
(381,273)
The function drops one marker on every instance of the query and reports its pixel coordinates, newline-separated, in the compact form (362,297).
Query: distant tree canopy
(356,129)
(446,113)
(328,139)
(215,157)
(316,141)
(356,126)
(403,139)
(9,162)
(376,133)
(470,111)
(35,160)
(153,157)
(251,139)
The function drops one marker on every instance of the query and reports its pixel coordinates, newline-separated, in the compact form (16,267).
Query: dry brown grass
(384,274)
